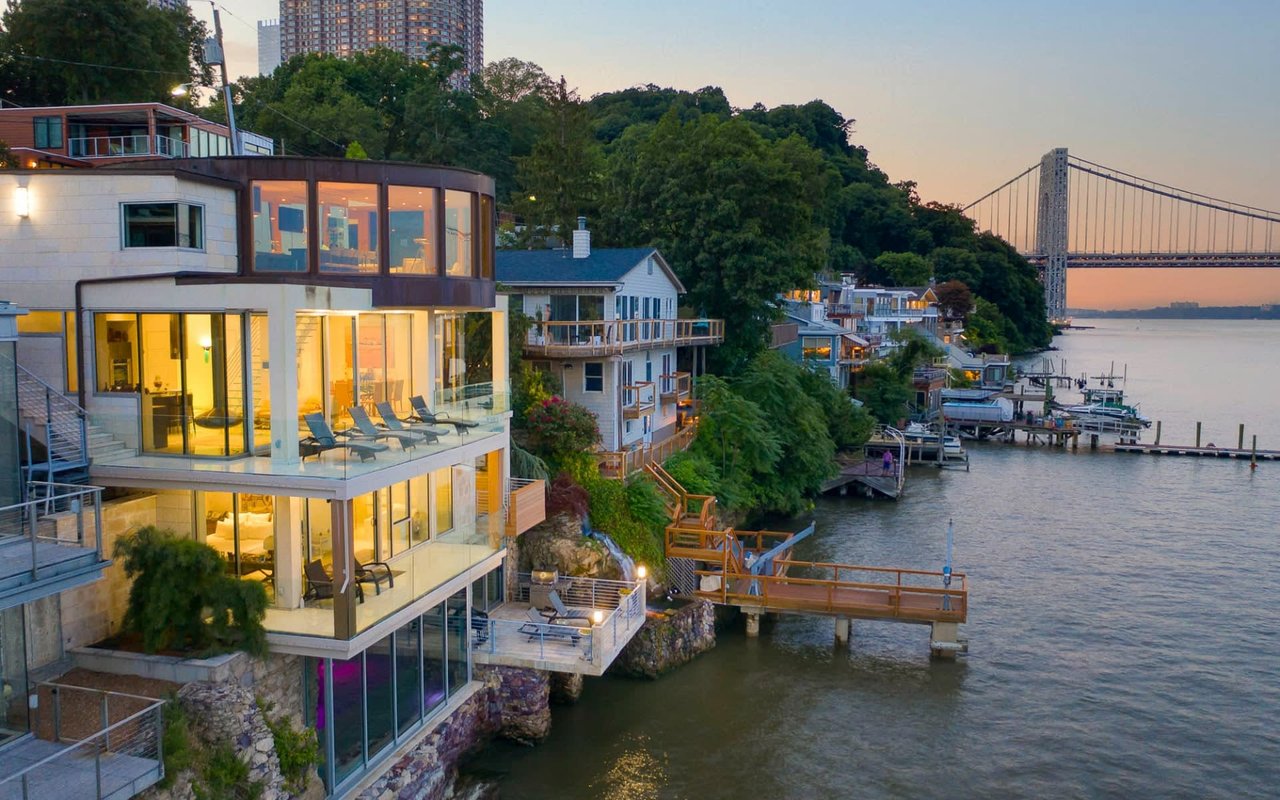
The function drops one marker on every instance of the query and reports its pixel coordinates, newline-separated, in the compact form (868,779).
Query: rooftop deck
(607,615)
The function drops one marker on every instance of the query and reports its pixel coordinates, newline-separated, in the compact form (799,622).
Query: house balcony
(526,505)
(51,542)
(605,616)
(136,145)
(638,400)
(584,338)
(675,387)
(333,612)
(112,753)
(349,465)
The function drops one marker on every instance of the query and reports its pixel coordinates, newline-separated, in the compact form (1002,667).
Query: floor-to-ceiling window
(341,369)
(241,527)
(361,707)
(312,390)
(260,380)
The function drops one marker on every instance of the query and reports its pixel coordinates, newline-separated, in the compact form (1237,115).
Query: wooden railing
(526,505)
(884,593)
(684,508)
(601,337)
(638,399)
(675,387)
(618,464)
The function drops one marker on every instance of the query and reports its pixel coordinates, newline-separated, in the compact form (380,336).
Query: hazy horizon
(957,97)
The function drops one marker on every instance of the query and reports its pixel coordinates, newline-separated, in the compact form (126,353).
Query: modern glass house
(227,325)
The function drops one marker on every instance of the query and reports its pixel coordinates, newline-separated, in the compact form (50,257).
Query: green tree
(58,52)
(560,179)
(905,269)
(884,393)
(956,264)
(734,435)
(733,213)
(848,425)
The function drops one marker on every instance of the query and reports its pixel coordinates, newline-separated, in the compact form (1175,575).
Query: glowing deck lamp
(597,617)
(642,572)
(22,201)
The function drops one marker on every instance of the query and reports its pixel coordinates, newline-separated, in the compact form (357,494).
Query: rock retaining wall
(667,642)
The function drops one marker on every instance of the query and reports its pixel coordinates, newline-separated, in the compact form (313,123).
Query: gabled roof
(560,268)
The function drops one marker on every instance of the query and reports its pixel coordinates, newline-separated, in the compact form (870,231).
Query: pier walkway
(754,571)
(870,474)
(1203,452)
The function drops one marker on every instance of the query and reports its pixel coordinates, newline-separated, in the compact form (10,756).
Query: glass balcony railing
(332,450)
(126,146)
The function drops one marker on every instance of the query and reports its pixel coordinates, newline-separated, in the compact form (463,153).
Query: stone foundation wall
(227,713)
(668,642)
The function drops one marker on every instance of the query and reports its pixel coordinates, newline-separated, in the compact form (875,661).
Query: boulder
(669,641)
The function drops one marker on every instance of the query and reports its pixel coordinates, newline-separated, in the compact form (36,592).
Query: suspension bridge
(1068,213)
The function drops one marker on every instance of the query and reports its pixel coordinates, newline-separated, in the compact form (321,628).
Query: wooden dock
(1202,452)
(869,475)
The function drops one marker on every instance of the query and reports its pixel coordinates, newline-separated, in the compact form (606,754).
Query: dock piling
(1253,454)
(1158,425)
(1197,434)
(843,624)
(753,625)
(1240,442)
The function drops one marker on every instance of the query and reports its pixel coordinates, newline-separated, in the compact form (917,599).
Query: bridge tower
(1051,231)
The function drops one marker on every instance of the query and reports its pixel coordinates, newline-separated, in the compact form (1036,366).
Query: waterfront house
(61,137)
(605,323)
(196,325)
(821,342)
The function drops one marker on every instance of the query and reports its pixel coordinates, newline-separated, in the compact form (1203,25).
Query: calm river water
(1124,627)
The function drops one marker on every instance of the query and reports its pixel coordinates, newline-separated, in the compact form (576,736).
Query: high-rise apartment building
(268,46)
(343,27)
(169,4)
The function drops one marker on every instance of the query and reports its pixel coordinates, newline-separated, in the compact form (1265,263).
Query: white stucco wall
(73,233)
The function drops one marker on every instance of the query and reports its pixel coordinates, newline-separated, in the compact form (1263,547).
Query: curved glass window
(279,226)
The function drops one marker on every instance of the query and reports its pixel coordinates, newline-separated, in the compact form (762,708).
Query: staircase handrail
(66,437)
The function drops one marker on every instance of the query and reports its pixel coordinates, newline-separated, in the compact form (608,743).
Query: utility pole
(221,60)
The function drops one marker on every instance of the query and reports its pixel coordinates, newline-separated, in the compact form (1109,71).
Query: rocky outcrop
(558,544)
(566,688)
(666,642)
(518,702)
(228,714)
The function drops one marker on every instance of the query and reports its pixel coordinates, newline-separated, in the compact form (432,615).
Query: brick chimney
(582,240)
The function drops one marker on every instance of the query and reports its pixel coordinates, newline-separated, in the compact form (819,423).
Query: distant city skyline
(956,97)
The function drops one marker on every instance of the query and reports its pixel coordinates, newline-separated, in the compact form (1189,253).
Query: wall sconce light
(597,617)
(206,343)
(642,572)
(22,201)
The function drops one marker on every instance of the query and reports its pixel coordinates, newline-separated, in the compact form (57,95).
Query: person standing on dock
(886,463)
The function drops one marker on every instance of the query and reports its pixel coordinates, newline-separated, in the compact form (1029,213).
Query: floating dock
(869,475)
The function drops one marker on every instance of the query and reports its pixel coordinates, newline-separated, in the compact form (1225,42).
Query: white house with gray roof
(606,325)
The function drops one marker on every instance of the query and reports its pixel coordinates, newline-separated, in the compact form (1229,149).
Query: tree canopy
(64,52)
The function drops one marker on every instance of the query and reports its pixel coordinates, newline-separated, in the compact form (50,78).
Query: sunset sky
(956,96)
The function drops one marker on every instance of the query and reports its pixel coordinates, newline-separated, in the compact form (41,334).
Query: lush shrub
(297,750)
(645,504)
(611,513)
(175,742)
(224,776)
(557,427)
(567,497)
(694,472)
(182,597)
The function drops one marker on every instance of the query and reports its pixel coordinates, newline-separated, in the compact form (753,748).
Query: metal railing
(51,419)
(123,146)
(622,601)
(40,520)
(113,753)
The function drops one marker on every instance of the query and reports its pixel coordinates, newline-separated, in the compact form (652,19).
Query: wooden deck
(844,590)
(1202,452)
(870,474)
